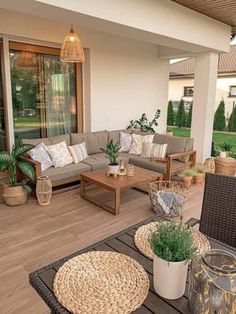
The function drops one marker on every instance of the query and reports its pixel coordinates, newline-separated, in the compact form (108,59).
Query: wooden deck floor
(32,236)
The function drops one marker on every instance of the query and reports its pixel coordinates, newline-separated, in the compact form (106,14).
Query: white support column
(162,92)
(206,67)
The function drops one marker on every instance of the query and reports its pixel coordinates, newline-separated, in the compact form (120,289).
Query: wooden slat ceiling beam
(221,10)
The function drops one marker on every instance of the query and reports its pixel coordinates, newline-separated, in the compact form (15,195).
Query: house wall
(176,91)
(123,74)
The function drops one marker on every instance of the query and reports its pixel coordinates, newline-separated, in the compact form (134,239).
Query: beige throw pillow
(40,153)
(138,141)
(78,152)
(60,155)
(151,150)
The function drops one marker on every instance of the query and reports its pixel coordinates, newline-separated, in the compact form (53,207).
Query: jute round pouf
(101,283)
(142,236)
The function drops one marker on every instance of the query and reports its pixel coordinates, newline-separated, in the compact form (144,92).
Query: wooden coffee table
(115,185)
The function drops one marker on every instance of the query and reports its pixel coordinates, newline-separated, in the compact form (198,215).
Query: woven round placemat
(142,235)
(101,282)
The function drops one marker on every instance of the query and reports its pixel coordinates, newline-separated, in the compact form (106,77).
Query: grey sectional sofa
(180,155)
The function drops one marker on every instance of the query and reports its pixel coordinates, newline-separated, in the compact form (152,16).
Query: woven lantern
(72,49)
(27,60)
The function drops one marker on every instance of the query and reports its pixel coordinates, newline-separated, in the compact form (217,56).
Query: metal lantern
(212,287)
(72,49)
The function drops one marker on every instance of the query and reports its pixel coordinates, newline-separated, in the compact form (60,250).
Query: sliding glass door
(43,95)
(2,111)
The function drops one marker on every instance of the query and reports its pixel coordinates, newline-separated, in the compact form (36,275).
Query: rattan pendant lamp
(72,49)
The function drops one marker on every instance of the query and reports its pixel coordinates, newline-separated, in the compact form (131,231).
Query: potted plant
(112,154)
(15,193)
(199,174)
(143,125)
(187,177)
(169,132)
(225,149)
(173,248)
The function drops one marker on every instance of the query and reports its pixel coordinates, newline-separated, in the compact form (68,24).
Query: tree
(170,114)
(189,116)
(180,116)
(232,120)
(219,118)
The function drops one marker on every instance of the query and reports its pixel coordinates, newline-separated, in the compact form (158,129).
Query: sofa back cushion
(36,141)
(60,138)
(48,141)
(94,140)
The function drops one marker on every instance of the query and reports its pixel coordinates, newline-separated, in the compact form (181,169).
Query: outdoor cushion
(125,141)
(138,141)
(36,141)
(94,140)
(124,156)
(60,138)
(78,152)
(71,170)
(59,154)
(40,153)
(96,161)
(115,135)
(175,144)
(149,164)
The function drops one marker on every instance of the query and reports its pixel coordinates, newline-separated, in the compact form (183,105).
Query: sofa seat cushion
(66,172)
(94,140)
(150,165)
(96,161)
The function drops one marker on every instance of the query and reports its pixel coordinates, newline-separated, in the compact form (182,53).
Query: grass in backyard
(218,137)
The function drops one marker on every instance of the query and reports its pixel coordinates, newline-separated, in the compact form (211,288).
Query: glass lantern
(212,287)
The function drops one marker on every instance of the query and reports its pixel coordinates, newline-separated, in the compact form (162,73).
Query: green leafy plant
(112,152)
(187,173)
(142,124)
(173,242)
(199,169)
(226,147)
(12,162)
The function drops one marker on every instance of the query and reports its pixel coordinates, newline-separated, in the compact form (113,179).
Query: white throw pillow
(125,142)
(159,150)
(138,142)
(40,153)
(60,155)
(147,150)
(78,152)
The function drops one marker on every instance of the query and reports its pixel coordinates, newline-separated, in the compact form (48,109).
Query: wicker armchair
(218,217)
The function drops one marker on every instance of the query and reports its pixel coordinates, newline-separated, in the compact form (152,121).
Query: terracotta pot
(169,278)
(199,178)
(14,195)
(169,133)
(187,181)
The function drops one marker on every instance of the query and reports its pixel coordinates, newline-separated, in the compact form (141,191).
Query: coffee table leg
(117,201)
(82,187)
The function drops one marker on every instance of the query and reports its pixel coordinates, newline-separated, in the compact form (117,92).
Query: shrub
(170,114)
(173,242)
(219,118)
(189,116)
(180,116)
(232,120)
(226,147)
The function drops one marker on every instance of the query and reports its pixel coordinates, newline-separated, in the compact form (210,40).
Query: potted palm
(187,177)
(225,149)
(15,193)
(173,248)
(199,174)
(112,154)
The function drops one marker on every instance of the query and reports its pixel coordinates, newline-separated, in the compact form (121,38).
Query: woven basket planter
(226,166)
(169,186)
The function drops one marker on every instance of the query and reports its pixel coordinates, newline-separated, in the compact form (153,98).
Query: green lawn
(218,137)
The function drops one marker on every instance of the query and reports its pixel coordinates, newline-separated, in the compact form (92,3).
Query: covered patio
(86,107)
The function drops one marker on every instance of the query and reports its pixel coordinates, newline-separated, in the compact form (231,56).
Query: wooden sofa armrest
(34,163)
(169,164)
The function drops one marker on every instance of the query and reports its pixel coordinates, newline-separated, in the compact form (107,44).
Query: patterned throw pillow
(159,151)
(138,141)
(151,150)
(60,155)
(40,153)
(125,141)
(78,152)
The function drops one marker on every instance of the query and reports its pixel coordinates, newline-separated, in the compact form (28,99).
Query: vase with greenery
(112,153)
(173,248)
(15,193)
(225,149)
(142,124)
(187,176)
(199,174)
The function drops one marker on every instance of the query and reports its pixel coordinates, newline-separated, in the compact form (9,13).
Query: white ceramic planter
(169,278)
(223,154)
(113,169)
